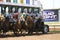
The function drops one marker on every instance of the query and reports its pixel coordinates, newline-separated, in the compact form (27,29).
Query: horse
(2,18)
(29,23)
(24,25)
(18,26)
(10,25)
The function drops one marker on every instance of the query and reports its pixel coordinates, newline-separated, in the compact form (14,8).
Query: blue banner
(27,1)
(50,15)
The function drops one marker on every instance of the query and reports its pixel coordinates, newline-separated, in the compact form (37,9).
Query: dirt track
(35,37)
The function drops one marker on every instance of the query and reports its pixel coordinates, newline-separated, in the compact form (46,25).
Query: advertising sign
(50,15)
(15,1)
(21,1)
(1,0)
(27,1)
(8,0)
(34,2)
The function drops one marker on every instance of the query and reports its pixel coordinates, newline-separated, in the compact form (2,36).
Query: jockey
(16,15)
(9,15)
(38,15)
(23,15)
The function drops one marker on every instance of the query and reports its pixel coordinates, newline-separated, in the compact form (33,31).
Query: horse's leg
(21,27)
(0,31)
(0,27)
(15,30)
(21,30)
(29,30)
(5,29)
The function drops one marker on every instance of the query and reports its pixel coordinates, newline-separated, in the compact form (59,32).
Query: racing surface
(49,36)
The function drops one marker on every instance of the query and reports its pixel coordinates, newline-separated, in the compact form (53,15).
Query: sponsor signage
(34,2)
(14,1)
(22,1)
(27,1)
(8,0)
(1,0)
(50,15)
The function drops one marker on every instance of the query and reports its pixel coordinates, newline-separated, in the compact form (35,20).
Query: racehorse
(25,25)
(10,26)
(29,23)
(18,26)
(2,18)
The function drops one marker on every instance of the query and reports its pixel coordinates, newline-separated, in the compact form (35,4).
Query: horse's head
(29,21)
(18,21)
(2,18)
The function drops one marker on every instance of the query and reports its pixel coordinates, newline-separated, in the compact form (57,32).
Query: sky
(50,4)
